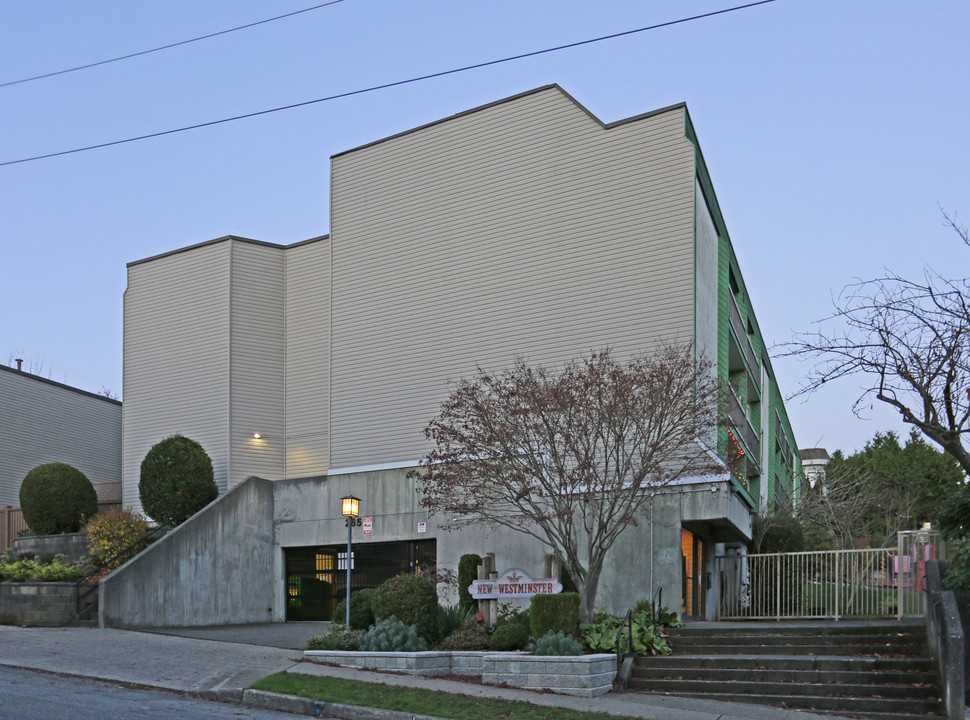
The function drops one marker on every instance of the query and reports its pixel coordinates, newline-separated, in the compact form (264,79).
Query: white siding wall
(176,357)
(42,422)
(257,362)
(307,358)
(524,228)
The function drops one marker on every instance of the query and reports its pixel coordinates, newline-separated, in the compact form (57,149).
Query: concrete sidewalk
(222,668)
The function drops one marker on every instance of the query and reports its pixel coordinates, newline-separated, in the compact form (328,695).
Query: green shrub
(557,643)
(953,516)
(340,637)
(57,498)
(392,635)
(554,612)
(470,635)
(467,573)
(410,598)
(361,614)
(510,636)
(176,480)
(567,582)
(22,569)
(114,536)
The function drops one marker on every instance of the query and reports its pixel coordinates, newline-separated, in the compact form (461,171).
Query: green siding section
(773,469)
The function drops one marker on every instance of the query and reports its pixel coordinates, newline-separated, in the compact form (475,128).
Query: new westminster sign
(513,583)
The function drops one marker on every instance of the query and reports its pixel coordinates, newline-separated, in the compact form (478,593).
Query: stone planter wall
(74,545)
(583,675)
(38,604)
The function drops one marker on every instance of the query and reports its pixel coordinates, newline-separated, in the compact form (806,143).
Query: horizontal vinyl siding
(176,358)
(257,363)
(42,423)
(523,229)
(307,359)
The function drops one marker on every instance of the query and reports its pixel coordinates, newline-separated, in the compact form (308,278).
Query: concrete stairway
(876,670)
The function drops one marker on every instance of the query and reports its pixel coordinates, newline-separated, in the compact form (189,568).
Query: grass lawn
(416,700)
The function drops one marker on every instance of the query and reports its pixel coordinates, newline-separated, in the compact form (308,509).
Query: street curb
(318,708)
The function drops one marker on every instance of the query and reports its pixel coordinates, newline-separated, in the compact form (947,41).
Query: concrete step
(843,704)
(828,663)
(795,689)
(804,648)
(662,673)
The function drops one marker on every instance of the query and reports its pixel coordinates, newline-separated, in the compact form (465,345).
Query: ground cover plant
(21,568)
(417,700)
(600,635)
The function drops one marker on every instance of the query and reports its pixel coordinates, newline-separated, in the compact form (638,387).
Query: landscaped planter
(583,675)
(74,545)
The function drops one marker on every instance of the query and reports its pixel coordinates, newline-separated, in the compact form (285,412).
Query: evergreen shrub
(57,498)
(557,643)
(510,636)
(392,635)
(556,613)
(412,600)
(361,614)
(176,480)
(340,637)
(467,574)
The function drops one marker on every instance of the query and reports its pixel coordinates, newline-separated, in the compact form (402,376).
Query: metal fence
(881,582)
(11,525)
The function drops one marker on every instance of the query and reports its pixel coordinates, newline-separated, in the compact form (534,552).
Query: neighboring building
(43,421)
(814,462)
(522,228)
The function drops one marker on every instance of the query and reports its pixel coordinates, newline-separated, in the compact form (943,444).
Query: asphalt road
(30,695)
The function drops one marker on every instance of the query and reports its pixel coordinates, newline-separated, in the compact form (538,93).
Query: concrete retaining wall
(38,604)
(215,568)
(582,675)
(74,545)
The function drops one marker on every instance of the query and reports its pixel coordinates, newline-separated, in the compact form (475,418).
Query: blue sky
(832,131)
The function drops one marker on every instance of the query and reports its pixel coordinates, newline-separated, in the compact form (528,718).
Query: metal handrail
(656,604)
(126,552)
(627,624)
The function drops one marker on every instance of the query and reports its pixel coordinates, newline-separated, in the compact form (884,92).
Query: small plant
(176,480)
(451,618)
(554,612)
(411,599)
(510,636)
(600,635)
(557,643)
(663,617)
(392,635)
(112,535)
(15,568)
(361,614)
(470,636)
(340,637)
(57,498)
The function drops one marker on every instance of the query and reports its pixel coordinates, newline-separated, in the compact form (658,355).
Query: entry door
(693,588)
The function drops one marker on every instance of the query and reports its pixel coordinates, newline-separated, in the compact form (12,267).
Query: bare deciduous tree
(569,457)
(911,340)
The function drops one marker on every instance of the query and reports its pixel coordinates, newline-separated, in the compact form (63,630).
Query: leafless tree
(570,456)
(910,339)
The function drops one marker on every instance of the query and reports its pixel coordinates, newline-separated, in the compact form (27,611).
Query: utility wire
(384,86)
(166,47)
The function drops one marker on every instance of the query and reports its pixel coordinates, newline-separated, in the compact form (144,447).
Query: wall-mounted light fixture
(257,435)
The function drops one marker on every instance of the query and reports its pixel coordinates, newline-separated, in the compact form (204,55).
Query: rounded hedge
(57,498)
(412,600)
(176,480)
(361,615)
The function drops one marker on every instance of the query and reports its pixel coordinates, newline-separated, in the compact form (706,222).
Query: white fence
(882,582)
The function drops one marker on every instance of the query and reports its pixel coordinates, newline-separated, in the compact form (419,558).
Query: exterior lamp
(349,508)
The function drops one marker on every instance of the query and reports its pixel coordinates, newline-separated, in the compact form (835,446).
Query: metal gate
(881,582)
(316,577)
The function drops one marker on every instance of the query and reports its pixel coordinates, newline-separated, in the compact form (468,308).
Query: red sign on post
(368,526)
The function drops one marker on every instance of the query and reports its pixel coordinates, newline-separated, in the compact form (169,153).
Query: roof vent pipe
(19,361)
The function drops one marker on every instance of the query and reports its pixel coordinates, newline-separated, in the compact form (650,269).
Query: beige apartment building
(523,228)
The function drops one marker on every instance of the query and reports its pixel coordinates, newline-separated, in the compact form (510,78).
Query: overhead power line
(166,47)
(387,85)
